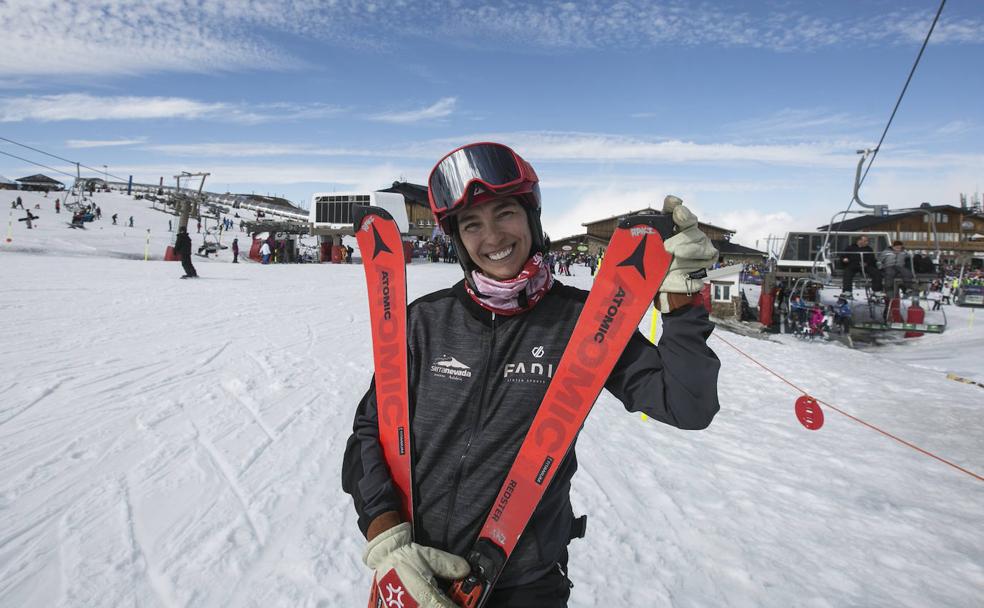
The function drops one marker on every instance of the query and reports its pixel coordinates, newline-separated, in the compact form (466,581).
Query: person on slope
(472,405)
(182,247)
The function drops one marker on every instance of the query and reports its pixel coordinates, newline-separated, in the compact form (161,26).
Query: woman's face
(497,237)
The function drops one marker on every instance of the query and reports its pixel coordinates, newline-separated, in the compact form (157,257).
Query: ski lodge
(954,229)
(599,232)
(39,183)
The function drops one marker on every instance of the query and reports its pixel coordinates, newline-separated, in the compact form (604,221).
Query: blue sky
(751,111)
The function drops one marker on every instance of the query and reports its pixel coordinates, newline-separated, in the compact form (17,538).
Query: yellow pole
(147,247)
(653,325)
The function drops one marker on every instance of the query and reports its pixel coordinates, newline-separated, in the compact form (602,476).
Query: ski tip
(662,223)
(360,213)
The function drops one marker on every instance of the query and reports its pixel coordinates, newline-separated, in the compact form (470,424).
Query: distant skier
(131,221)
(235,251)
(469,418)
(114,219)
(182,247)
(29,219)
(265,253)
(57,205)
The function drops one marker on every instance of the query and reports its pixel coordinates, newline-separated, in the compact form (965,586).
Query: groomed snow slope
(179,443)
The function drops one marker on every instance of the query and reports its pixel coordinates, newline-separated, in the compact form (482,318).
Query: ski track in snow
(178,444)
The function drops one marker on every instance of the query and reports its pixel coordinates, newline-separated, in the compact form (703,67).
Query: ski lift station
(331,216)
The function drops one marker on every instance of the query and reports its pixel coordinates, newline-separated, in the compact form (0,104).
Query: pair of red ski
(634,267)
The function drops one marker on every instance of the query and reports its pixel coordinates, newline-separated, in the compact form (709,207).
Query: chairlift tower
(186,200)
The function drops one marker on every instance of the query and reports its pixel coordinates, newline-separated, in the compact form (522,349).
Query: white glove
(691,249)
(405,569)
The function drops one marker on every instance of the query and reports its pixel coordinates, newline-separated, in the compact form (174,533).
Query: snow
(179,443)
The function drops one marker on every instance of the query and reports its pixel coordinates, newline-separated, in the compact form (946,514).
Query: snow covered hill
(178,443)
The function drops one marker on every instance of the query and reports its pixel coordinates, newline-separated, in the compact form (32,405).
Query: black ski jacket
(855,255)
(476,381)
(182,245)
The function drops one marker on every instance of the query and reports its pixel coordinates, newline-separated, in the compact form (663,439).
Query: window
(338,209)
(722,293)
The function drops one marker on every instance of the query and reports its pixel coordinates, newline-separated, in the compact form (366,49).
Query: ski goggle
(476,169)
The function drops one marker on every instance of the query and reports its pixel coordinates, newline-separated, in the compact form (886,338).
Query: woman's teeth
(498,255)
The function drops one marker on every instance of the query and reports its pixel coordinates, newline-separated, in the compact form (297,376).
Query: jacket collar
(485,316)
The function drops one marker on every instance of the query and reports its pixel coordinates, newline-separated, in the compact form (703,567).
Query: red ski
(627,281)
(386,282)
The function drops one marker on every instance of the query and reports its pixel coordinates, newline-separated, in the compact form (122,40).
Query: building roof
(579,238)
(39,179)
(413,193)
(723,272)
(648,210)
(862,222)
(729,248)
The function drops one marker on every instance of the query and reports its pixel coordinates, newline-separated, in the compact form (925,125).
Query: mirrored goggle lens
(494,165)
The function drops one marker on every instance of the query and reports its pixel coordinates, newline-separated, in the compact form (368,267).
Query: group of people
(439,249)
(892,267)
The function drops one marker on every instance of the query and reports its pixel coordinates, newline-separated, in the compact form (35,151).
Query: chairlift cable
(37,163)
(902,94)
(898,103)
(72,162)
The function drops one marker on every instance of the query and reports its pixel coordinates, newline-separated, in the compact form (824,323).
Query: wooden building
(579,243)
(40,182)
(599,232)
(605,228)
(955,227)
(422,224)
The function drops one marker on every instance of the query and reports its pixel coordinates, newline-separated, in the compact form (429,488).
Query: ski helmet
(478,173)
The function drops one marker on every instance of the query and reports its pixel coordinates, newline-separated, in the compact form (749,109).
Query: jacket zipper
(476,423)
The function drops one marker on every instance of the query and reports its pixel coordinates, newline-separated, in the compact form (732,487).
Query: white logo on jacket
(447,366)
(529,371)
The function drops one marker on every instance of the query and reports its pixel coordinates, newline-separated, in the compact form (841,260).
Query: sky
(752,112)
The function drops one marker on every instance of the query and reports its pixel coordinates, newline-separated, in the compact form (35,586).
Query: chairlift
(813,260)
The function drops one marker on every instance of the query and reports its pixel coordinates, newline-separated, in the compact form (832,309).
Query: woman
(481,355)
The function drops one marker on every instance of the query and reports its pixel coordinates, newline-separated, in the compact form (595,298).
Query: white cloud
(128,37)
(117,37)
(85,107)
(253,149)
(103,143)
(343,175)
(439,109)
(595,147)
(799,124)
(752,227)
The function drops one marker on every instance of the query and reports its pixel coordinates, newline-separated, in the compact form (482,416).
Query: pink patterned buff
(515,295)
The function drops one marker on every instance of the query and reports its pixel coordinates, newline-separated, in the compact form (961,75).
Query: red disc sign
(809,413)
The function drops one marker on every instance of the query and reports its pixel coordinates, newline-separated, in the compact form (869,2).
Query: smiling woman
(506,323)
